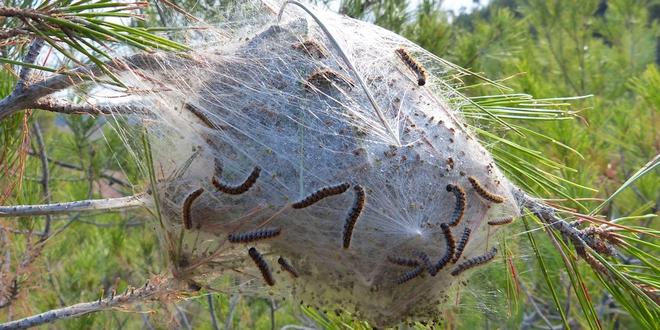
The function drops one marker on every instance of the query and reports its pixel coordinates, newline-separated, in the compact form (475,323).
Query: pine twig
(127,202)
(153,289)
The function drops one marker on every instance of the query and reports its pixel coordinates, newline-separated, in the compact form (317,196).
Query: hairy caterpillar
(475,261)
(286,266)
(353,215)
(432,269)
(451,244)
(417,68)
(501,221)
(483,193)
(199,113)
(312,48)
(320,194)
(461,202)
(409,275)
(262,265)
(254,235)
(243,187)
(461,244)
(187,203)
(323,77)
(403,261)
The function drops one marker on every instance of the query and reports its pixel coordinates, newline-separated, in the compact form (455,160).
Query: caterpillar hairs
(320,194)
(475,261)
(461,244)
(353,215)
(403,261)
(243,187)
(461,202)
(286,266)
(262,265)
(187,203)
(414,66)
(254,235)
(409,275)
(501,221)
(483,193)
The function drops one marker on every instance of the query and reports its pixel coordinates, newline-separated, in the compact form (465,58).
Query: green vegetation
(575,151)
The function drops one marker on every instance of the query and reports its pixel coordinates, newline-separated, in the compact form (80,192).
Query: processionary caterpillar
(262,265)
(403,261)
(409,275)
(243,187)
(427,262)
(187,203)
(324,77)
(501,221)
(414,66)
(320,194)
(353,216)
(461,202)
(461,244)
(286,266)
(475,261)
(451,244)
(483,193)
(254,235)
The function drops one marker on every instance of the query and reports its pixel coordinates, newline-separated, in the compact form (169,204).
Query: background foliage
(547,48)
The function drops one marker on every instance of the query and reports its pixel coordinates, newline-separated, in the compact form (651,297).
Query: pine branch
(128,202)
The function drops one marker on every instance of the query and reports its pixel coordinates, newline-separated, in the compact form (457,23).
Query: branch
(45,174)
(104,175)
(158,288)
(138,200)
(67,108)
(29,96)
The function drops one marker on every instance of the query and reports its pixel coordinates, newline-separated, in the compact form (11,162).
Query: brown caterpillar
(461,244)
(483,193)
(320,194)
(475,261)
(501,221)
(409,275)
(243,187)
(324,77)
(200,115)
(461,202)
(262,265)
(286,266)
(312,48)
(254,235)
(451,244)
(353,215)
(187,203)
(403,261)
(414,66)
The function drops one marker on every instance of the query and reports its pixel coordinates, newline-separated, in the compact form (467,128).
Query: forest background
(605,50)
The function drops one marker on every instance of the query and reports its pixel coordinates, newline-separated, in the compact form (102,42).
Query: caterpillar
(243,187)
(324,77)
(461,202)
(353,215)
(432,269)
(286,266)
(409,275)
(483,193)
(451,244)
(414,66)
(501,221)
(461,244)
(262,265)
(199,113)
(474,261)
(312,48)
(187,203)
(320,194)
(254,235)
(403,261)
